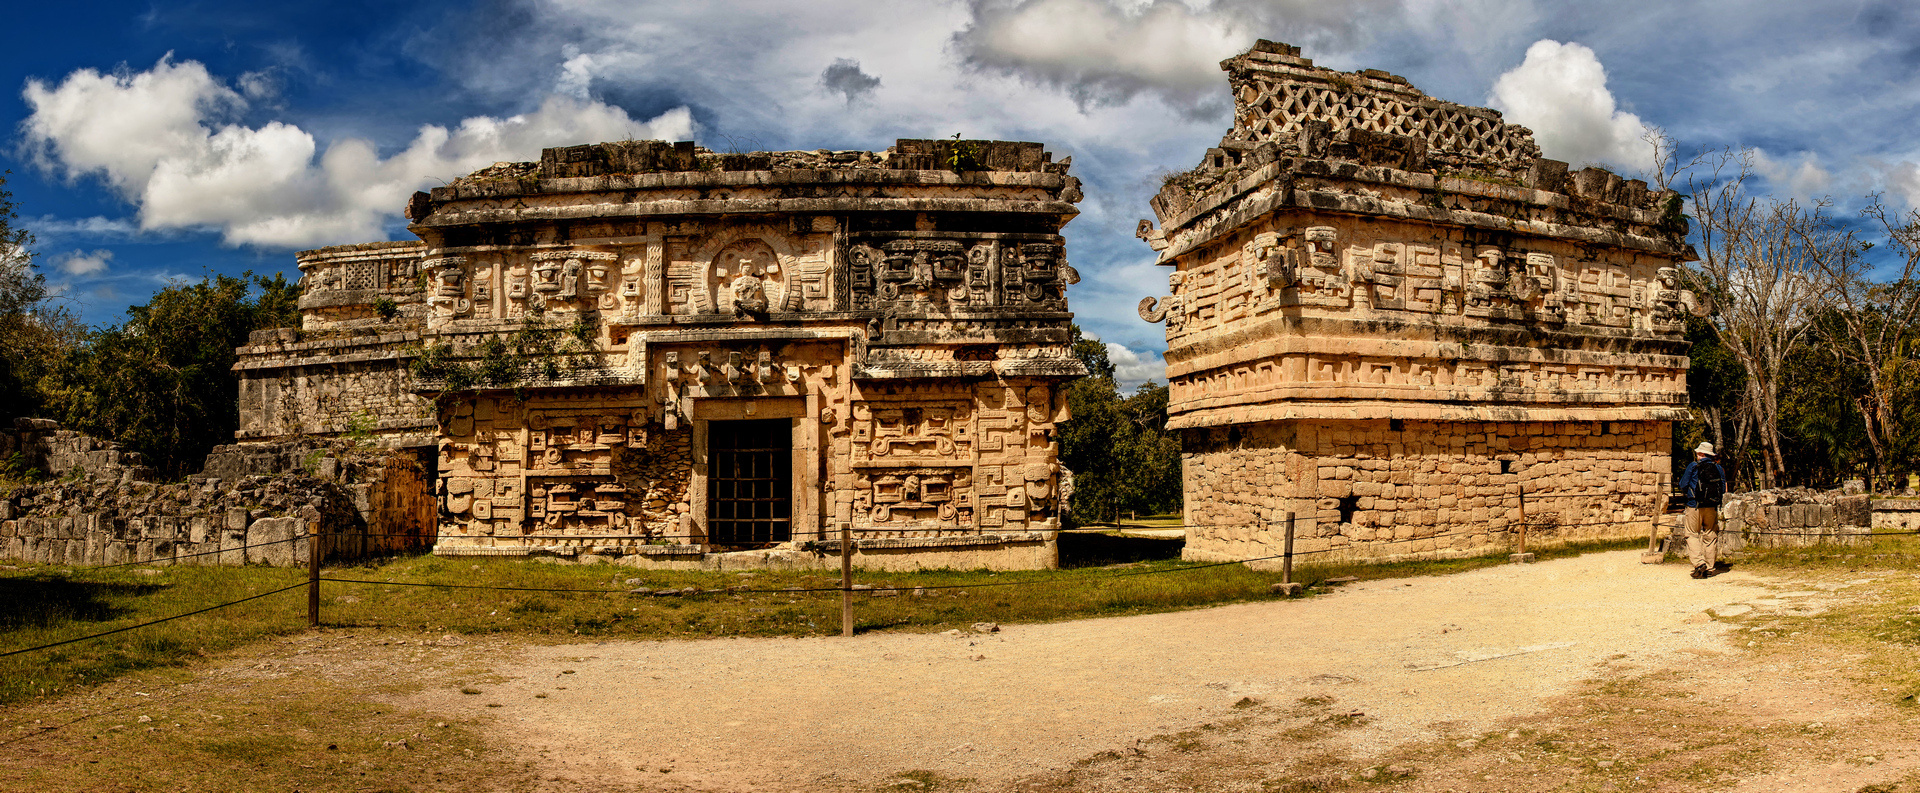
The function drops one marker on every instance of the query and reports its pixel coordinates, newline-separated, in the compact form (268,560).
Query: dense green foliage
(1123,459)
(35,329)
(162,382)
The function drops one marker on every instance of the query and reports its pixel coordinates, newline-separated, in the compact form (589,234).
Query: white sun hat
(1704,448)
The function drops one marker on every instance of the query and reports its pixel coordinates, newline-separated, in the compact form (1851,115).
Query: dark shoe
(1701,571)
(1721,567)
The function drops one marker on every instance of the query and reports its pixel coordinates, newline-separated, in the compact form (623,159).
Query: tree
(1823,435)
(162,381)
(1118,448)
(1870,326)
(1715,385)
(1092,354)
(1759,254)
(35,332)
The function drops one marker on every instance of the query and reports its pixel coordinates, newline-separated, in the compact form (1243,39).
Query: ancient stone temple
(1392,318)
(657,352)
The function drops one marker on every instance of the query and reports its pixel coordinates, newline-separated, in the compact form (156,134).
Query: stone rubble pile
(103,508)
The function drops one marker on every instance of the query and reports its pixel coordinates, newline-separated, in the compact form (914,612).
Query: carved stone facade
(1390,317)
(757,348)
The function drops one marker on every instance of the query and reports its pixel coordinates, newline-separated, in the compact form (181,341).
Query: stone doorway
(749,482)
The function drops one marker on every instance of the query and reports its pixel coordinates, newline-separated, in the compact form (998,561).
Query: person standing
(1704,484)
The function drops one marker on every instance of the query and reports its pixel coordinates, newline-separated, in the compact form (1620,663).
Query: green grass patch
(46,604)
(1877,552)
(320,736)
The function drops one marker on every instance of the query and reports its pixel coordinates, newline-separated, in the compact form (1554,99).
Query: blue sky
(159,140)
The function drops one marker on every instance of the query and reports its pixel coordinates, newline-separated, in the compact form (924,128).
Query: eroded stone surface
(899,317)
(1390,317)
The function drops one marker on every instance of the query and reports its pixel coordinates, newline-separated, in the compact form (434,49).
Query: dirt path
(1578,675)
(1421,658)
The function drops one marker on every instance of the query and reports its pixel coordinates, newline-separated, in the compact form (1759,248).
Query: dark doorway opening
(749,482)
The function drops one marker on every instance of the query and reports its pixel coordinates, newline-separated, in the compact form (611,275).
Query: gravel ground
(1421,657)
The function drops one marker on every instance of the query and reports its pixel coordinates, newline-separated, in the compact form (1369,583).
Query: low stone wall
(1794,518)
(101,508)
(98,523)
(1899,514)
(42,444)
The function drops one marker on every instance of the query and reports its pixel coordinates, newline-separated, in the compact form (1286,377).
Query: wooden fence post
(1286,586)
(313,574)
(1521,556)
(846,579)
(1286,565)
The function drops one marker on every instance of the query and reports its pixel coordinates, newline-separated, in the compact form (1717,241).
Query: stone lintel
(684,180)
(1270,189)
(456,216)
(1425,336)
(1463,412)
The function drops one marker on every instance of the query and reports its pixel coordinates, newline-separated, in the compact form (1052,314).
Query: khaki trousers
(1703,536)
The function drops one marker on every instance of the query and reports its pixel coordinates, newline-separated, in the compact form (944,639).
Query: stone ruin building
(657,352)
(1393,318)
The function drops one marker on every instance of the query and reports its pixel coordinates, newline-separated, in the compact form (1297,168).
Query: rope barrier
(154,622)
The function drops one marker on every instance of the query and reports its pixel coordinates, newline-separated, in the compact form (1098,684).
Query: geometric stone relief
(1560,382)
(1315,268)
(920,275)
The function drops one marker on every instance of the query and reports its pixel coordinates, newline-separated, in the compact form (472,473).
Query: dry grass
(310,732)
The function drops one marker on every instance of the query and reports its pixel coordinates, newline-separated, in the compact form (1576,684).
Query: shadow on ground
(1094,549)
(41,601)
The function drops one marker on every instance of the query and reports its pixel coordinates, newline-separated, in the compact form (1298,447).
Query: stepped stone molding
(1356,259)
(902,313)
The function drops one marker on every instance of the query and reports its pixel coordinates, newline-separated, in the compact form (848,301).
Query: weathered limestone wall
(102,510)
(344,371)
(1795,518)
(902,325)
(584,469)
(1357,483)
(1901,514)
(42,445)
(1356,257)
(295,385)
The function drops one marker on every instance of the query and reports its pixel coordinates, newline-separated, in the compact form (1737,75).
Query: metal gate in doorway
(749,482)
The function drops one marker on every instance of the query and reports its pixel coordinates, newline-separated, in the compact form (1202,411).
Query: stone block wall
(1394,489)
(1899,514)
(102,509)
(342,382)
(1795,519)
(42,444)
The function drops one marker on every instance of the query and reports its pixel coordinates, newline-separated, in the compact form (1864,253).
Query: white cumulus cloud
(1803,180)
(1560,92)
(163,140)
(1131,368)
(1104,52)
(79,263)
